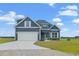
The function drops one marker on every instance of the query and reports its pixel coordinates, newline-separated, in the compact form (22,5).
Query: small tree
(68,39)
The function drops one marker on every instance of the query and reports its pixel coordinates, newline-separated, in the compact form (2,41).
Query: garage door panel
(28,36)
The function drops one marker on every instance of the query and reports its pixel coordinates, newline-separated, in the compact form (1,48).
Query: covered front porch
(47,34)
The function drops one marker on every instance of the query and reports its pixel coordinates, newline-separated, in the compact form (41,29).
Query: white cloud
(10,16)
(76,21)
(77,31)
(52,4)
(60,24)
(20,16)
(11,13)
(56,20)
(64,29)
(11,23)
(70,10)
(68,13)
(71,7)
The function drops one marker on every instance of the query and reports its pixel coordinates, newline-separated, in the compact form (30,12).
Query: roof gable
(21,22)
(44,24)
(54,27)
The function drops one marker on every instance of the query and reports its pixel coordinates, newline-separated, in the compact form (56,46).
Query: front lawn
(61,45)
(5,40)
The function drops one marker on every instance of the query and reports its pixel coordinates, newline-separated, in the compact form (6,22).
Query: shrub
(49,38)
(68,39)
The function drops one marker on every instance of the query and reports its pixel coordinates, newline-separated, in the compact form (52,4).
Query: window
(54,35)
(27,23)
(44,25)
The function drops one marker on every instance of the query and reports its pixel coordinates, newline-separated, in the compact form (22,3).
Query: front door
(44,36)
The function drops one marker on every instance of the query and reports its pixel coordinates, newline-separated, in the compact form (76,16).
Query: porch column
(51,34)
(59,35)
(39,34)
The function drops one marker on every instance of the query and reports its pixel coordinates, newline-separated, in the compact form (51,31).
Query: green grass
(5,40)
(61,45)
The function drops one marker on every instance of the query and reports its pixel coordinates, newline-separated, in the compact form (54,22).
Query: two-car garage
(27,30)
(28,36)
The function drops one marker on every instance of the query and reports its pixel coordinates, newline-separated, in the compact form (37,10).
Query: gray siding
(33,24)
(45,31)
(47,27)
(44,24)
(27,29)
(55,27)
(26,19)
(21,24)
(18,20)
(54,30)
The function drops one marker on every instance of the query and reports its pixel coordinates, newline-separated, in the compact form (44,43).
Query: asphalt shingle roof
(44,22)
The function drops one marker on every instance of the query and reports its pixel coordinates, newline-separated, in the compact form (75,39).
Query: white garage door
(33,36)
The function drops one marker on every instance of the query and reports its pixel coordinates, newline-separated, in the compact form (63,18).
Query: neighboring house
(76,36)
(27,29)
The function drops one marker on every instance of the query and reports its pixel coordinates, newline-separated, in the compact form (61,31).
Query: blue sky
(64,15)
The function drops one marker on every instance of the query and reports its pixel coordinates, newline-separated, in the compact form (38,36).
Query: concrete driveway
(27,48)
(19,45)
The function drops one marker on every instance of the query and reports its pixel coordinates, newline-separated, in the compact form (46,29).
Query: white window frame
(25,23)
(44,25)
(54,35)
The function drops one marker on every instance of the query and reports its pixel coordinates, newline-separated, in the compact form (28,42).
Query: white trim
(54,25)
(45,29)
(25,24)
(37,24)
(40,34)
(20,21)
(54,35)
(50,27)
(27,36)
(57,35)
(30,24)
(32,27)
(27,27)
(20,27)
(51,34)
